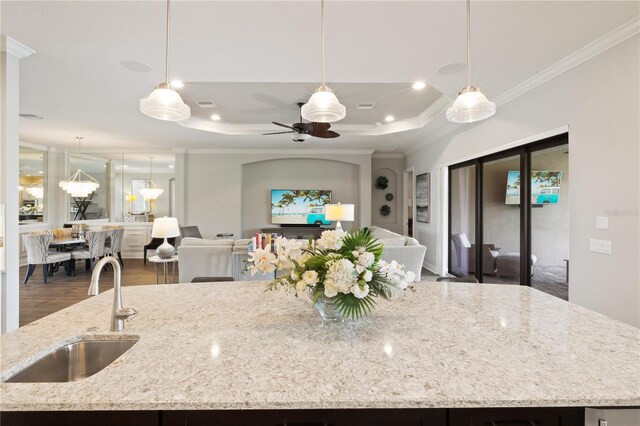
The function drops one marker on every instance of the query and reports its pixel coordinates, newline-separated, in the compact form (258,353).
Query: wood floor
(38,299)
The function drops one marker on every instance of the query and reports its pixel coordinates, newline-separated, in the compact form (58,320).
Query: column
(10,54)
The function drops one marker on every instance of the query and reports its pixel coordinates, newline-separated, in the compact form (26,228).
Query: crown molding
(240,151)
(35,146)
(15,48)
(591,50)
(387,155)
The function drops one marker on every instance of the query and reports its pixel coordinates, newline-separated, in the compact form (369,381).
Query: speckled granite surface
(233,346)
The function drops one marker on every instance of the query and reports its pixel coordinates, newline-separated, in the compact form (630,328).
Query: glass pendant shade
(77,187)
(323,107)
(470,105)
(164,103)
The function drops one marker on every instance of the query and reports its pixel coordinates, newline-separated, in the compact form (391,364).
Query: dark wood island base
(561,416)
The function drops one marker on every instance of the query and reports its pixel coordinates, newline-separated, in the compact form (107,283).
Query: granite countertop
(233,346)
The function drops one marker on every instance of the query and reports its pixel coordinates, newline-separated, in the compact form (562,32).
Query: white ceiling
(76,82)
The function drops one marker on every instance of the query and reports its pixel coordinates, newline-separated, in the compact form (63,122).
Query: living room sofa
(405,250)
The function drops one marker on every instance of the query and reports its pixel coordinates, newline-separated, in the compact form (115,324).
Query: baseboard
(429,267)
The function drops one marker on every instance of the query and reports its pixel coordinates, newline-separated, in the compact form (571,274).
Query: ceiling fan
(303,131)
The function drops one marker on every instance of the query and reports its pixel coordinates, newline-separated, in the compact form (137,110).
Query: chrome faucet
(119,314)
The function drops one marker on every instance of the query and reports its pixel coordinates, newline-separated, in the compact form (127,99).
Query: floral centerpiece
(344,271)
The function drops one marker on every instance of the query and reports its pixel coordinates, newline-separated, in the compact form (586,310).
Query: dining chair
(94,251)
(114,247)
(37,248)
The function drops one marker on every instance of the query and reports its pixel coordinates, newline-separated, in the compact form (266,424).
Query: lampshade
(471,105)
(339,212)
(323,107)
(165,227)
(164,103)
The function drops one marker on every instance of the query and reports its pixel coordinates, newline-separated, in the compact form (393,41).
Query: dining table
(64,244)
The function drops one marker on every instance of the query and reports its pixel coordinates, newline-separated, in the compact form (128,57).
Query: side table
(165,266)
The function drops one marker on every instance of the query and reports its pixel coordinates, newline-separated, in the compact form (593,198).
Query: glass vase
(328,310)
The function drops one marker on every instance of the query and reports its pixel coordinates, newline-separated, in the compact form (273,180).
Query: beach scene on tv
(299,207)
(545,187)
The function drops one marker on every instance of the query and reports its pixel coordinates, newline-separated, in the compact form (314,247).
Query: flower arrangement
(343,267)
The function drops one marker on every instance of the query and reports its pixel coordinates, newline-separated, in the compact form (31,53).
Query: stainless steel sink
(74,361)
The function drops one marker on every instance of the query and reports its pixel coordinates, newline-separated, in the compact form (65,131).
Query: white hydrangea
(263,261)
(331,240)
(340,278)
(366,259)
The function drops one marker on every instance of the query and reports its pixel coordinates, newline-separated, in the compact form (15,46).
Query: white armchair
(405,250)
(198,257)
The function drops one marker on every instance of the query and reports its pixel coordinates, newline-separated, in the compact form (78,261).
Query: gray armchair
(489,257)
(37,248)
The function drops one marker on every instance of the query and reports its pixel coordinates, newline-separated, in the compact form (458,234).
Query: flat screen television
(299,206)
(545,187)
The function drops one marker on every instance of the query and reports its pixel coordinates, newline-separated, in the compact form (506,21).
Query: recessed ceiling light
(171,166)
(177,84)
(125,166)
(419,85)
(135,66)
(378,123)
(451,69)
(40,171)
(389,118)
(215,117)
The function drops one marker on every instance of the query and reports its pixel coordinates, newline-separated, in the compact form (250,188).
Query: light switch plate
(602,222)
(600,246)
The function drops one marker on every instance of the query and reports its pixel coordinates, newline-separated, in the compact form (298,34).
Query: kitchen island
(445,353)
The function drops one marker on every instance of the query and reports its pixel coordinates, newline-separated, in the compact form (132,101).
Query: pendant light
(80,184)
(471,105)
(164,103)
(323,106)
(152,192)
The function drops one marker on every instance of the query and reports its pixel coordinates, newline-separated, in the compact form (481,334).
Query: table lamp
(339,212)
(165,227)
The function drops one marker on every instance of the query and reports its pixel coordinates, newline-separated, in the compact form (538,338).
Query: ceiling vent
(32,116)
(385,150)
(207,104)
(365,105)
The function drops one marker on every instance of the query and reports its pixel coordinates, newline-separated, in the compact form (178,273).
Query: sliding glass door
(506,229)
(462,223)
(501,220)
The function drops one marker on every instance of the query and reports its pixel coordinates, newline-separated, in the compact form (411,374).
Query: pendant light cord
(468,43)
(322,38)
(166,50)
(150,170)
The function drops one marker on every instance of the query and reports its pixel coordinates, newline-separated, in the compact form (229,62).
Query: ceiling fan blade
(329,134)
(278,133)
(283,125)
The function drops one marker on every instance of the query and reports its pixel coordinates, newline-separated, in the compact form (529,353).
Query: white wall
(393,169)
(212,185)
(259,178)
(598,101)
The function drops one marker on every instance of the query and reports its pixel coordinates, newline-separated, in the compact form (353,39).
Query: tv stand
(297,232)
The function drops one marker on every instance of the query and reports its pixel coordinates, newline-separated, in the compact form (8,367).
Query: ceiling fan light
(471,105)
(323,107)
(164,103)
